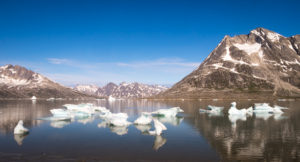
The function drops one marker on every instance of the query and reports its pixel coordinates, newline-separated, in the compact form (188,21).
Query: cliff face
(260,64)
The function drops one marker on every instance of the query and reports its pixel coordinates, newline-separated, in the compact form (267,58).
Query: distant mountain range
(19,82)
(261,64)
(123,90)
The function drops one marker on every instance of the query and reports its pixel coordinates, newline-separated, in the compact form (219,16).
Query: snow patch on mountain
(123,90)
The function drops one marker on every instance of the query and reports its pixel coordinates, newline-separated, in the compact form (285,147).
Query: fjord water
(190,137)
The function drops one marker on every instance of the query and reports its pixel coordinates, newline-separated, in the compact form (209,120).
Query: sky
(149,41)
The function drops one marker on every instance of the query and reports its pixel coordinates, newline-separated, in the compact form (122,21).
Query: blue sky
(156,42)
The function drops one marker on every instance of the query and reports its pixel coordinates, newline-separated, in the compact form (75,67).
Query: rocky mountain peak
(18,82)
(17,76)
(262,60)
(124,90)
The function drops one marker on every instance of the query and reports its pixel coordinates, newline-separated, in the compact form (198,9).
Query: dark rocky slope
(261,64)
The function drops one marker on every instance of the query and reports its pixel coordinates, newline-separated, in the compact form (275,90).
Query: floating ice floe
(144,119)
(119,122)
(115,119)
(262,108)
(212,110)
(111,99)
(173,120)
(280,107)
(50,99)
(168,112)
(266,108)
(20,129)
(158,128)
(33,98)
(234,111)
(87,108)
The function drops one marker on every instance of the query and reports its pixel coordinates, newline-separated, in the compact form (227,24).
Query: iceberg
(144,119)
(85,108)
(20,129)
(50,99)
(168,112)
(262,108)
(111,99)
(212,110)
(173,120)
(116,119)
(158,128)
(280,107)
(234,111)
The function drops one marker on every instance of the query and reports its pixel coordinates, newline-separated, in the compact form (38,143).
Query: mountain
(261,64)
(123,90)
(88,89)
(19,82)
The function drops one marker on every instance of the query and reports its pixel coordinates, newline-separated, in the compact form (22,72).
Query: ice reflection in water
(197,137)
(273,137)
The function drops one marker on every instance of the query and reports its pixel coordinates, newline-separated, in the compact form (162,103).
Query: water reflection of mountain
(256,138)
(13,111)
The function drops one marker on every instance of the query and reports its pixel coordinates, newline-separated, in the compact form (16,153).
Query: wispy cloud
(157,71)
(58,61)
(160,62)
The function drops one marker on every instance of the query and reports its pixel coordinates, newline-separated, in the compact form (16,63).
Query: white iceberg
(168,112)
(158,128)
(116,119)
(234,111)
(85,108)
(50,99)
(262,108)
(111,99)
(173,120)
(144,119)
(280,107)
(212,110)
(20,129)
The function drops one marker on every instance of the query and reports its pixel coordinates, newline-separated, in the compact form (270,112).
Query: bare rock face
(260,64)
(19,82)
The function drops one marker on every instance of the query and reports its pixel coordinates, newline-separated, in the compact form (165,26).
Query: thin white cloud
(160,62)
(58,61)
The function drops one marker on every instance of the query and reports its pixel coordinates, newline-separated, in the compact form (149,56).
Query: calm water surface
(190,137)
